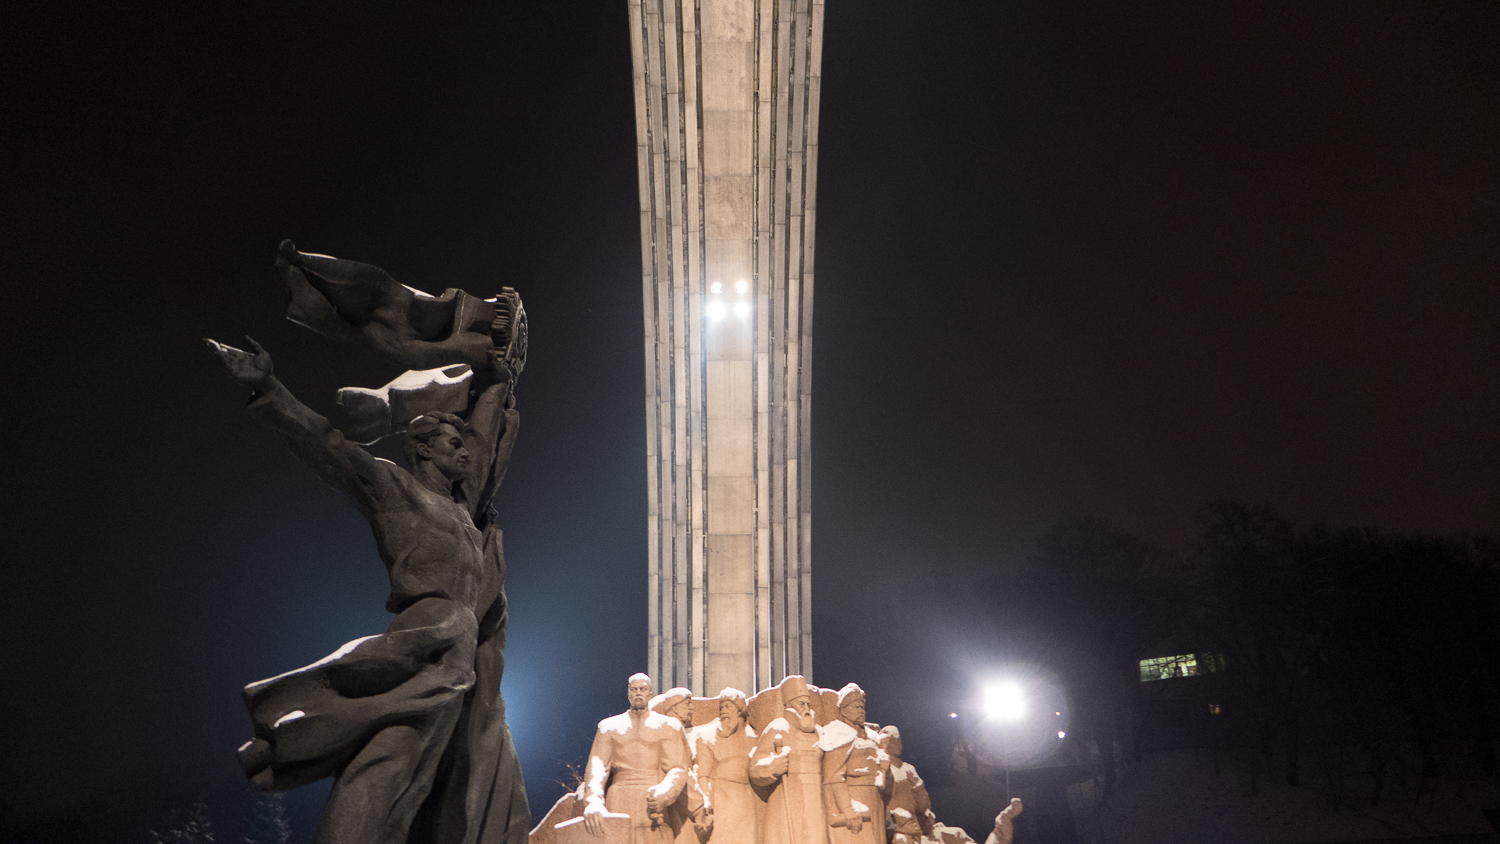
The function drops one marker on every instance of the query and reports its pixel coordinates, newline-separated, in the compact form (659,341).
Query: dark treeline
(1354,639)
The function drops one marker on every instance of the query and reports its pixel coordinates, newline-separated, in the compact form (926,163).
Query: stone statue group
(795,764)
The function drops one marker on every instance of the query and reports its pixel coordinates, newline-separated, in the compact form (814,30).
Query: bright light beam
(1004,701)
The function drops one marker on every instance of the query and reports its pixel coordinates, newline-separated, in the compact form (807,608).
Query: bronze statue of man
(410,723)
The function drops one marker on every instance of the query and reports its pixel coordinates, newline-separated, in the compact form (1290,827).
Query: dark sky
(1103,261)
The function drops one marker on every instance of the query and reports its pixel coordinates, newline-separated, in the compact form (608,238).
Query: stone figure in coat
(690,812)
(853,774)
(721,753)
(908,808)
(637,766)
(788,761)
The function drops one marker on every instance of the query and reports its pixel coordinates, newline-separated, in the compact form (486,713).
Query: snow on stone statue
(410,722)
(638,766)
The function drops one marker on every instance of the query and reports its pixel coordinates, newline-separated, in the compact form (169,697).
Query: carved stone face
(853,711)
(447,452)
(639,694)
(801,708)
(730,717)
(682,710)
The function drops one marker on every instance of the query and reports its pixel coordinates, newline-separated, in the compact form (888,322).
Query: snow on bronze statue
(410,722)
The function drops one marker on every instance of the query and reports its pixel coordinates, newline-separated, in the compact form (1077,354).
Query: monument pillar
(726,98)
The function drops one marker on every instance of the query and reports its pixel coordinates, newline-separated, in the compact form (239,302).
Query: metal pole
(1005,760)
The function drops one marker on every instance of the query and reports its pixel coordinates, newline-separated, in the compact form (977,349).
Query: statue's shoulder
(658,721)
(834,735)
(616,724)
(706,733)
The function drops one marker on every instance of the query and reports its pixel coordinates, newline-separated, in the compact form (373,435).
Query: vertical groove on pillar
(814,75)
(760,144)
(692,120)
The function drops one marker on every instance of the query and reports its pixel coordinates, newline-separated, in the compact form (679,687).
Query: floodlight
(1004,701)
(716,287)
(741,287)
(715,310)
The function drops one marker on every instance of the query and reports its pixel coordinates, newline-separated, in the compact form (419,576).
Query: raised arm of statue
(490,438)
(342,464)
(357,302)
(1005,829)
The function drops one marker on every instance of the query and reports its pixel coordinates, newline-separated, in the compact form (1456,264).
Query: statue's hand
(1004,829)
(251,370)
(781,764)
(593,819)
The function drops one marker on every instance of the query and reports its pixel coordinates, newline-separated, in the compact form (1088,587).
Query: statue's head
(732,710)
(890,739)
(801,710)
(638,692)
(438,438)
(675,703)
(798,697)
(852,705)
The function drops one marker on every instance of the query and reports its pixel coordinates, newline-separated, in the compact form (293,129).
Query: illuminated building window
(1213,709)
(1182,665)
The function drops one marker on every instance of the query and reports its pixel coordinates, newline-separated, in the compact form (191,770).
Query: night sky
(1070,261)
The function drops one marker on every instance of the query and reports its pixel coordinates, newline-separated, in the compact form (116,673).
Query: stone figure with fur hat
(854,774)
(788,761)
(721,753)
(689,812)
